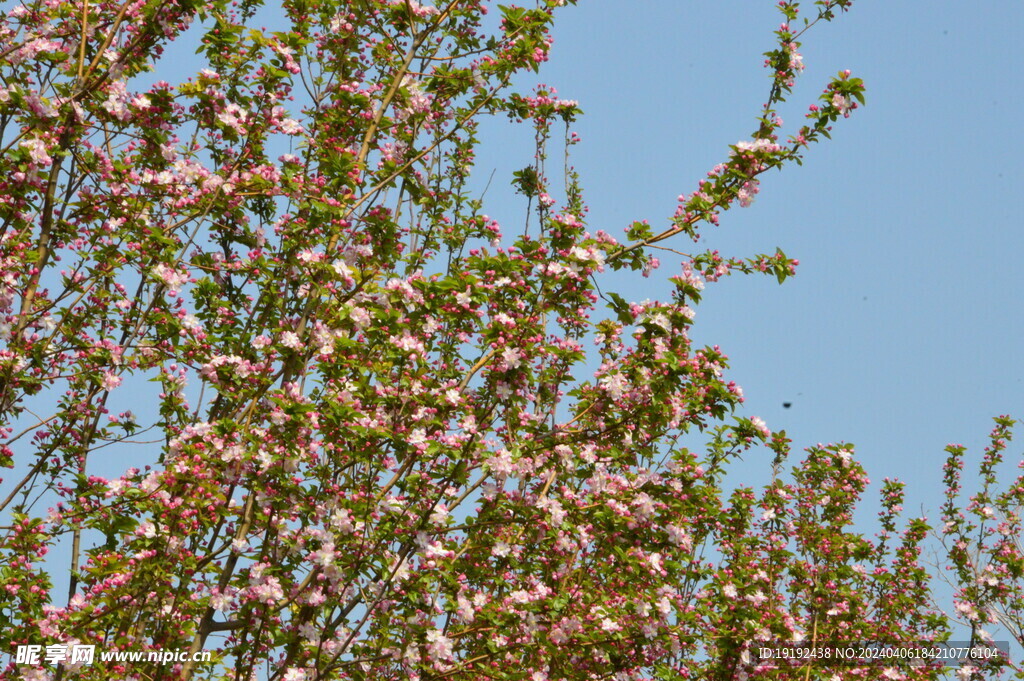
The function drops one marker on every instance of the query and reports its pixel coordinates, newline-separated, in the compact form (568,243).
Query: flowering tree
(983,546)
(370,451)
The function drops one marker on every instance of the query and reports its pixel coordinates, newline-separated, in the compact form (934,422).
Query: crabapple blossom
(370,439)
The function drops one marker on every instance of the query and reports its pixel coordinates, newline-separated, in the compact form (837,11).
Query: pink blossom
(761,426)
(967,610)
(290,339)
(439,646)
(171,277)
(615,384)
(758,145)
(747,193)
(418,9)
(407,342)
(37,151)
(359,316)
(234,117)
(511,358)
(966,672)
(796,60)
(30,49)
(221,602)
(117,100)
(841,103)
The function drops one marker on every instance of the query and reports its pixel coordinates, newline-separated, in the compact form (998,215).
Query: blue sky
(901,332)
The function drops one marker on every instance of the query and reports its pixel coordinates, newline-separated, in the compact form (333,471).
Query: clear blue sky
(902,330)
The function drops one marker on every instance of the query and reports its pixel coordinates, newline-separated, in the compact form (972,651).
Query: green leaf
(619,305)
